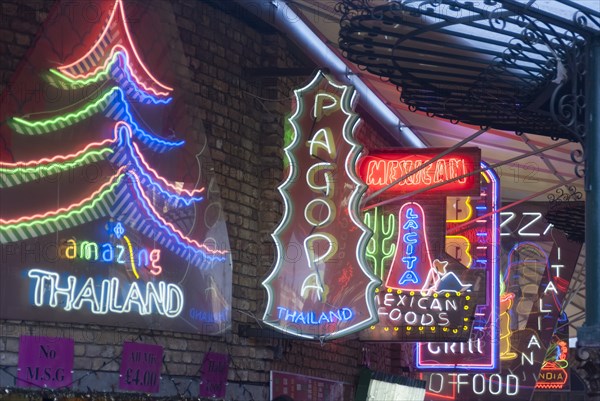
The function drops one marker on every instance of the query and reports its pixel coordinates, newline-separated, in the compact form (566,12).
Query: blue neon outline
(411,222)
(411,273)
(118,95)
(144,95)
(413,215)
(410,240)
(412,259)
(140,133)
(495,304)
(119,230)
(124,138)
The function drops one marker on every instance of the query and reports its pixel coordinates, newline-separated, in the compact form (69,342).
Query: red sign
(382,168)
(321,286)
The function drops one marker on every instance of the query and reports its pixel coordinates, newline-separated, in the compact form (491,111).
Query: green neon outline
(68,117)
(83,208)
(83,82)
(381,240)
(60,166)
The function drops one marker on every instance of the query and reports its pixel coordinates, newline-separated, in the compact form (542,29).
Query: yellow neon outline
(131,258)
(468,203)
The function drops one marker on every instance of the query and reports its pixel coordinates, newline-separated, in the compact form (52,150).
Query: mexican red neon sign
(321,286)
(382,168)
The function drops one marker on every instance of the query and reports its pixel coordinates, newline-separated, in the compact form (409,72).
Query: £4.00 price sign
(140,367)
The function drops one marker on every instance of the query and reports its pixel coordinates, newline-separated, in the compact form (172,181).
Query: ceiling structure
(533,177)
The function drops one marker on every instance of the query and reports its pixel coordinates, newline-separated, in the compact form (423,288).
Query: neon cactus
(381,247)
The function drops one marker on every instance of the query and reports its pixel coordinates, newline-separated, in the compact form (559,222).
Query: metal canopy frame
(528,66)
(492,63)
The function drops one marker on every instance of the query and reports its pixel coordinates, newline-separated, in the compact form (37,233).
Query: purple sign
(140,367)
(214,375)
(45,362)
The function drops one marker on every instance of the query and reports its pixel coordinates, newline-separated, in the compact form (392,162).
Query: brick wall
(242,115)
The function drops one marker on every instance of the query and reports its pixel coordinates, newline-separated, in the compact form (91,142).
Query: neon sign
(382,168)
(535,278)
(412,260)
(320,286)
(437,278)
(114,253)
(473,241)
(128,241)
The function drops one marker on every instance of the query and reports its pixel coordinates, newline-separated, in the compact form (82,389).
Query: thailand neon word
(68,293)
(382,168)
(320,265)
(299,317)
(412,260)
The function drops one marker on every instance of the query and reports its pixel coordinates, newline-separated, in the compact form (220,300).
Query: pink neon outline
(493,362)
(67,209)
(115,49)
(158,177)
(401,214)
(173,228)
(57,158)
(131,44)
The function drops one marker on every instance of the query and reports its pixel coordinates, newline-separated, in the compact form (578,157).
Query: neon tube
(123,130)
(53,124)
(70,118)
(63,213)
(56,159)
(131,258)
(147,204)
(118,7)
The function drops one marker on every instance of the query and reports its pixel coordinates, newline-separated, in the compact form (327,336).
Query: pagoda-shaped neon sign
(116,249)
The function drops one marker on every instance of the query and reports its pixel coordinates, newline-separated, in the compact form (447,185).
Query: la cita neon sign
(320,286)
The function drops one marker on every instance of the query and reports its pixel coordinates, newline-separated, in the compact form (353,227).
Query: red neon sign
(382,168)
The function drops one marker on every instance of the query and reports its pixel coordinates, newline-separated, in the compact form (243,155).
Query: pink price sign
(214,375)
(45,362)
(140,367)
